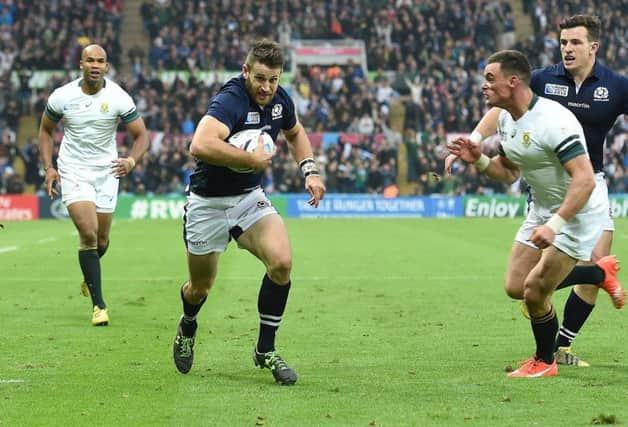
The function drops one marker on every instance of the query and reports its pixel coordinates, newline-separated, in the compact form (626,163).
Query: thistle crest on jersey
(277,111)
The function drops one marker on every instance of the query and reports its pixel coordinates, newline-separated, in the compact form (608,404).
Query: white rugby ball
(248,140)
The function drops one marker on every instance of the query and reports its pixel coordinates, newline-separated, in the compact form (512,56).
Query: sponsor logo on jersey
(600,94)
(71,107)
(556,90)
(526,139)
(252,118)
(104,107)
(578,105)
(261,204)
(277,111)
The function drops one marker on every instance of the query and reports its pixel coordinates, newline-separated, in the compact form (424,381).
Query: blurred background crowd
(372,129)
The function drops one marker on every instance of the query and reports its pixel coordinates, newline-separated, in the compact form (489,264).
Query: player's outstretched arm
(301,151)
(498,168)
(486,127)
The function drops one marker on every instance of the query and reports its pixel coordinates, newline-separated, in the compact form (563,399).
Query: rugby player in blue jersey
(597,96)
(223,204)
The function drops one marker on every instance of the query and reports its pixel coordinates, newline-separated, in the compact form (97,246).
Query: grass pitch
(390,322)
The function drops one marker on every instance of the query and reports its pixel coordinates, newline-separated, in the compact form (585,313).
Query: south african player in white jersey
(544,143)
(597,96)
(88,167)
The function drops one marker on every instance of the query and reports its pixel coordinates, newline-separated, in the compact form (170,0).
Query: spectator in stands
(30,155)
(436,44)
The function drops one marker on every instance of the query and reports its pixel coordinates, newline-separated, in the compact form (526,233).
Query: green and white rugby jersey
(539,143)
(90,121)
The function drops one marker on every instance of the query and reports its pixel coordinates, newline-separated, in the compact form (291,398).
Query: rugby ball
(248,140)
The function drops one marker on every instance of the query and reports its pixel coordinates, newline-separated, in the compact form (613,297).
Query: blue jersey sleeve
(229,107)
(290,118)
(536,83)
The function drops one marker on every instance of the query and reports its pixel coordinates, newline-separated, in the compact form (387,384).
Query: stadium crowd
(427,56)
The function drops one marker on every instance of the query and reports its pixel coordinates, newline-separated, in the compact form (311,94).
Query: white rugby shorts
(89,183)
(579,236)
(600,182)
(211,222)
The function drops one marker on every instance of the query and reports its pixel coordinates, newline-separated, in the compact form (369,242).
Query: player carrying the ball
(223,204)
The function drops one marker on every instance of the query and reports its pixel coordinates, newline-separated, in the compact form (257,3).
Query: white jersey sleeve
(54,106)
(128,110)
(564,135)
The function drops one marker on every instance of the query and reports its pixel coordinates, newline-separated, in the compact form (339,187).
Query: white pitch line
(8,249)
(11,381)
(47,240)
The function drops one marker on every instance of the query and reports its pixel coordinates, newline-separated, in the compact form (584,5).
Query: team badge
(526,139)
(277,112)
(104,107)
(600,94)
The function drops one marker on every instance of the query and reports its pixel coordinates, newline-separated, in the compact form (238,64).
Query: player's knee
(103,242)
(198,290)
(89,238)
(279,269)
(587,292)
(513,290)
(532,295)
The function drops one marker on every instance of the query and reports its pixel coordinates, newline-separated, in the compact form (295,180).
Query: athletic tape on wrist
(483,162)
(556,222)
(308,167)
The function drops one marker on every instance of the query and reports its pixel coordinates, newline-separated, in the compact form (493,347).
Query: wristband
(47,167)
(483,162)
(308,167)
(131,161)
(556,222)
(476,137)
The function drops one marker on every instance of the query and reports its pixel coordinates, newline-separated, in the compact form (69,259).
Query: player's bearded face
(575,48)
(261,82)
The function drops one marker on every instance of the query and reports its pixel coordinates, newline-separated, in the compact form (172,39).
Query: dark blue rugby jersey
(233,107)
(602,97)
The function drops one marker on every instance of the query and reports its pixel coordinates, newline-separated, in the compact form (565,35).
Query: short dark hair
(266,52)
(590,22)
(512,62)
